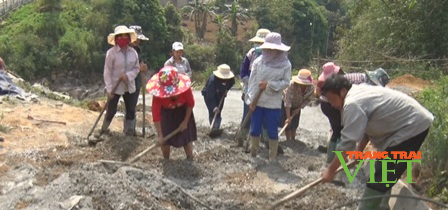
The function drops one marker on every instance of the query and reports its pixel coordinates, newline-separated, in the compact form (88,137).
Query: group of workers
(359,106)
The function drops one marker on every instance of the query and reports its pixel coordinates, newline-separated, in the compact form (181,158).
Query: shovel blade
(215,133)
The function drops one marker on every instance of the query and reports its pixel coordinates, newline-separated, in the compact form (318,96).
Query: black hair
(335,83)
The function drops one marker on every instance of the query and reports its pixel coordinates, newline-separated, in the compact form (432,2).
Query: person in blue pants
(245,71)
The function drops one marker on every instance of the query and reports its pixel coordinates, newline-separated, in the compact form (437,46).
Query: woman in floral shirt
(172,108)
(295,97)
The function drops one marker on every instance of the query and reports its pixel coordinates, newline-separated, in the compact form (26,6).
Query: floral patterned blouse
(293,96)
(185,98)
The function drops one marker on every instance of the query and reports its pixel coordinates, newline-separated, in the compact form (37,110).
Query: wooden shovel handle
(102,110)
(249,113)
(286,125)
(165,139)
(219,106)
(303,189)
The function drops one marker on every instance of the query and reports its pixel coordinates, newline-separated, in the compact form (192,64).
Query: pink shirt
(115,66)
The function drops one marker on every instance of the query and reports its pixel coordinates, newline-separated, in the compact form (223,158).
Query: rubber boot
(104,128)
(385,201)
(273,148)
(242,135)
(254,145)
(330,154)
(265,137)
(279,148)
(371,203)
(129,127)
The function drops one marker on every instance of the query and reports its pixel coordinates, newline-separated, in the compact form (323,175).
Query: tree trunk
(234,27)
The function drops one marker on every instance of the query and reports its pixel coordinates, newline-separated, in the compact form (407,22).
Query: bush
(435,147)
(200,56)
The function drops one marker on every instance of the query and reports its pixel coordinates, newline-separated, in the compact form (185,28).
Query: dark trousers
(412,144)
(130,101)
(334,117)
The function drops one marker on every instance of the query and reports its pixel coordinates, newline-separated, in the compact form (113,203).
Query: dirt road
(311,117)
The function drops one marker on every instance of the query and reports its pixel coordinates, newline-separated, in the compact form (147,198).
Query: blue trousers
(245,111)
(264,116)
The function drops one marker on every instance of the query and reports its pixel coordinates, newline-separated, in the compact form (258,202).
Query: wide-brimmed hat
(178,46)
(273,41)
(327,70)
(168,82)
(122,30)
(261,34)
(223,72)
(139,31)
(378,77)
(303,77)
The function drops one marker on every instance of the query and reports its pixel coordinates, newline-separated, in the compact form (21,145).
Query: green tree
(173,23)
(394,29)
(200,13)
(226,50)
(236,14)
(302,24)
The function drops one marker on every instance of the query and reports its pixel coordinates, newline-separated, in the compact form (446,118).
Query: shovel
(165,139)
(303,189)
(101,114)
(217,132)
(249,113)
(144,106)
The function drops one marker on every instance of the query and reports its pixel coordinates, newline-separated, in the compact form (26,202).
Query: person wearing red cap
(172,108)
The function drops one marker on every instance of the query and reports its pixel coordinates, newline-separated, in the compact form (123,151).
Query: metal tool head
(215,133)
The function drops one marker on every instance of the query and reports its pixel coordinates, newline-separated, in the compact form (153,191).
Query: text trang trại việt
(373,156)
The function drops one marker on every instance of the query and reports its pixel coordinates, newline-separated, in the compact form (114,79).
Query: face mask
(256,45)
(257,51)
(123,42)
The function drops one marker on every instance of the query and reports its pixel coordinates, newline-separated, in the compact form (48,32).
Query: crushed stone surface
(74,175)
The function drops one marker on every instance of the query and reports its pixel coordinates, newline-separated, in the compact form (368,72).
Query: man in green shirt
(391,120)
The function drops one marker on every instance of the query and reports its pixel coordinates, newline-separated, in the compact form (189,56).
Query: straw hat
(139,31)
(303,77)
(274,41)
(261,34)
(168,82)
(328,69)
(121,30)
(224,72)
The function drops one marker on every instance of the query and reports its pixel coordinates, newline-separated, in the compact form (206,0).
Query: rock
(71,202)
(84,95)
(97,94)
(96,106)
(76,93)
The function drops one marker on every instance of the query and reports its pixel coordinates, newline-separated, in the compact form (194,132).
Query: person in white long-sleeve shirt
(121,66)
(271,73)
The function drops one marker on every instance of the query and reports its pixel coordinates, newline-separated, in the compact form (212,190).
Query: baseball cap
(178,46)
